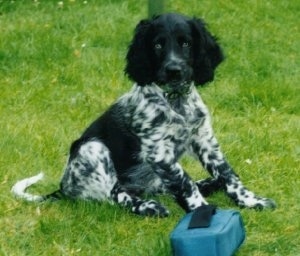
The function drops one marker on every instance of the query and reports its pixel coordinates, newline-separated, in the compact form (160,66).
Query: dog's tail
(19,190)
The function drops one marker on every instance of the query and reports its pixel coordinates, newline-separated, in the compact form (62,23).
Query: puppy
(135,146)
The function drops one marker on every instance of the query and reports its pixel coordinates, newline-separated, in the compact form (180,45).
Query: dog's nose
(173,71)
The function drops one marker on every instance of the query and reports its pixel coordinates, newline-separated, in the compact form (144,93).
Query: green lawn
(61,65)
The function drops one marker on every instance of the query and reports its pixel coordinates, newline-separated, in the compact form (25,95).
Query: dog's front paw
(258,203)
(209,185)
(246,198)
(250,200)
(150,208)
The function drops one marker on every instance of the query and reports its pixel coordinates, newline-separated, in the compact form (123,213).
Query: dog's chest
(163,127)
(191,109)
(150,115)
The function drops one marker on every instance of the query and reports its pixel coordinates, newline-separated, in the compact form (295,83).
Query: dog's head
(172,50)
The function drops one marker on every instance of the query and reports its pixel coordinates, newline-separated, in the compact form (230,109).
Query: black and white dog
(134,147)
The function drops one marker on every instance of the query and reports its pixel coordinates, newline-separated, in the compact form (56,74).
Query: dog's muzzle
(173,72)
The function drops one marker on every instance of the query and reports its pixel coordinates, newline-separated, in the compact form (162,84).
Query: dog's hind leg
(90,174)
(137,205)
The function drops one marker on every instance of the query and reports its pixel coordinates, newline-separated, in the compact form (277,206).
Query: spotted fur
(135,146)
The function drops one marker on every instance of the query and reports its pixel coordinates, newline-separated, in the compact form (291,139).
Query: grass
(62,64)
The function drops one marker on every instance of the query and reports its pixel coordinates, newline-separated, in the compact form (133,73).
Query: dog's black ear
(138,67)
(207,52)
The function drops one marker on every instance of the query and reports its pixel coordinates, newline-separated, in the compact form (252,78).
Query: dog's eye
(158,46)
